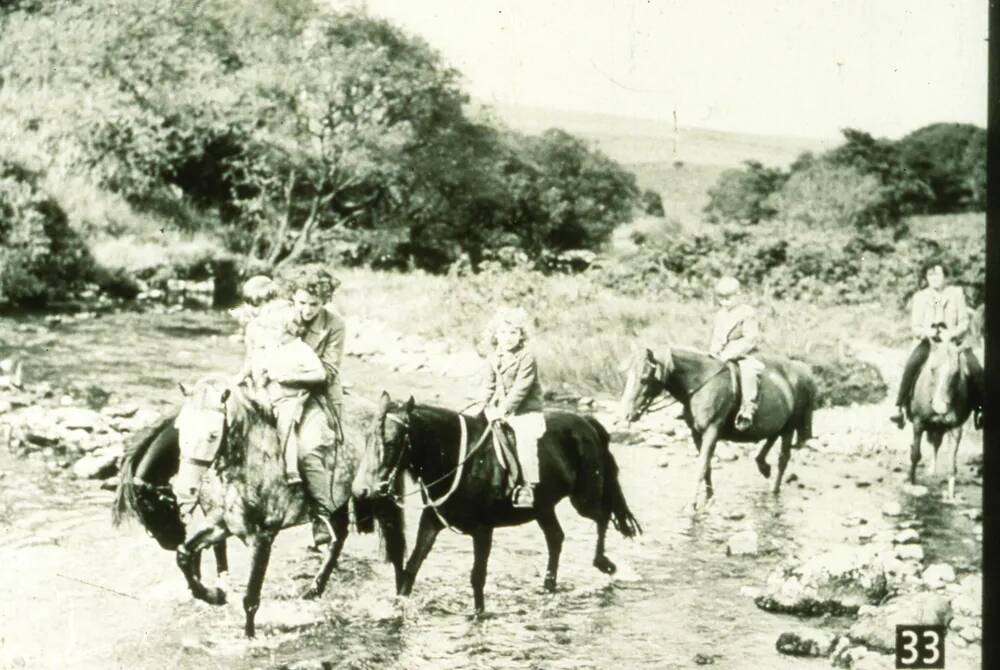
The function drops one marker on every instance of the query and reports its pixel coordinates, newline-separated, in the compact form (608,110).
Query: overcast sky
(788,67)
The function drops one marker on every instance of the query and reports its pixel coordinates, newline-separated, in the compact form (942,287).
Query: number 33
(912,648)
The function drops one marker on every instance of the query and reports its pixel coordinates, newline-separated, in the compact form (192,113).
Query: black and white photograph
(427,334)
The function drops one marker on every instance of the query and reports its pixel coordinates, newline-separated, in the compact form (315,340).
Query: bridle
(655,383)
(389,483)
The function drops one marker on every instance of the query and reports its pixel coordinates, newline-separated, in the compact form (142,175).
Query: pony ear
(383,403)
(649,355)
(225,395)
(410,404)
(184,389)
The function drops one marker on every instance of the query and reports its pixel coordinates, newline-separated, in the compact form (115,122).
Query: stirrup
(743,421)
(524,497)
(977,418)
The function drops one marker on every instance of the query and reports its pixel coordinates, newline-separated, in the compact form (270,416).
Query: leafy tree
(40,255)
(826,195)
(742,195)
(904,192)
(946,156)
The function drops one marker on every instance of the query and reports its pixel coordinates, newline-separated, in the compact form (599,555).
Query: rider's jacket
(944,309)
(735,332)
(512,382)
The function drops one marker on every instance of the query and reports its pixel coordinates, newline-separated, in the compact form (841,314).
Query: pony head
(386,449)
(946,363)
(644,381)
(201,421)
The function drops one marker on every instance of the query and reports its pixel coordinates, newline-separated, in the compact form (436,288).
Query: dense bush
(41,257)
(744,195)
(826,196)
(844,381)
(951,159)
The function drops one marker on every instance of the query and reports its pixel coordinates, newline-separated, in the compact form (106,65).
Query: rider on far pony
(939,313)
(735,335)
(513,395)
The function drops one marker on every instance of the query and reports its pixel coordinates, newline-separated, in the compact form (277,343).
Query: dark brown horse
(452,458)
(708,390)
(246,494)
(940,405)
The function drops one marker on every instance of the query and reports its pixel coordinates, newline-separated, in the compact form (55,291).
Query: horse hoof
(311,593)
(215,596)
(550,584)
(605,565)
(764,468)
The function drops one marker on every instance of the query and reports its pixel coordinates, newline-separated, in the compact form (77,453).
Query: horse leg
(762,464)
(554,536)
(482,542)
(708,440)
(956,439)
(221,559)
(428,531)
(188,559)
(261,544)
(601,561)
(918,433)
(783,457)
(340,523)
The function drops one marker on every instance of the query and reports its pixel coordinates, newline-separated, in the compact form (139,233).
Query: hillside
(643,141)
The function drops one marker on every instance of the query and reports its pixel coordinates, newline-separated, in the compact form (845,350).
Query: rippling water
(675,602)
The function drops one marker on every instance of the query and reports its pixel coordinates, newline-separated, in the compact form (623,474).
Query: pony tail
(621,516)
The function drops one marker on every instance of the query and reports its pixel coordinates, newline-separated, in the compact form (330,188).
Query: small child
(282,367)
(513,394)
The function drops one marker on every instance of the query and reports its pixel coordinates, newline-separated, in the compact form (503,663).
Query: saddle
(510,468)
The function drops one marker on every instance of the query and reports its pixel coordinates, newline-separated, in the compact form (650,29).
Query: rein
(661,379)
(456,471)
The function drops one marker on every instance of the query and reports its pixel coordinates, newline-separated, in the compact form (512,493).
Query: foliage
(743,195)
(845,381)
(41,258)
(652,203)
(825,196)
(284,123)
(951,159)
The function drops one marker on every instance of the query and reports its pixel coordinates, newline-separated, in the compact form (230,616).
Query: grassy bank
(584,331)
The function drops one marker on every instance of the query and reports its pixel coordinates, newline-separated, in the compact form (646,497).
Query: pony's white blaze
(941,403)
(199,432)
(631,393)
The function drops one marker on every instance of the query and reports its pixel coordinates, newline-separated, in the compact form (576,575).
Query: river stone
(909,552)
(122,411)
(915,490)
(939,574)
(906,536)
(876,626)
(43,436)
(744,543)
(805,643)
(892,509)
(99,465)
(968,596)
(835,582)
(78,418)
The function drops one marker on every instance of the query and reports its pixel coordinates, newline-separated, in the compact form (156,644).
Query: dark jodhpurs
(916,361)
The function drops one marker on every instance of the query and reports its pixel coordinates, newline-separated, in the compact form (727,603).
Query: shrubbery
(41,257)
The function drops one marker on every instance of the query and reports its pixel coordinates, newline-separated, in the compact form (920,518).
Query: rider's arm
(527,373)
(333,352)
(918,320)
(961,327)
(489,383)
(747,342)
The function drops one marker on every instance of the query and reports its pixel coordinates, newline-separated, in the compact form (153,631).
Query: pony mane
(242,411)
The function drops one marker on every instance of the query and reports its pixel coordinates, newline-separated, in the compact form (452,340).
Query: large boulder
(98,465)
(876,626)
(836,582)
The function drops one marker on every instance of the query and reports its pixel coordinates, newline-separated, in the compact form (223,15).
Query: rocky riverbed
(824,571)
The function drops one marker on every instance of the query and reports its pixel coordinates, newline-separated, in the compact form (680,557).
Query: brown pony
(708,390)
(940,405)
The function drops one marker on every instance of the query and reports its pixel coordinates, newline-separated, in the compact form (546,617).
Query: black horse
(453,460)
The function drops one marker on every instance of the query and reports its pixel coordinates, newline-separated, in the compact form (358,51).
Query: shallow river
(78,593)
